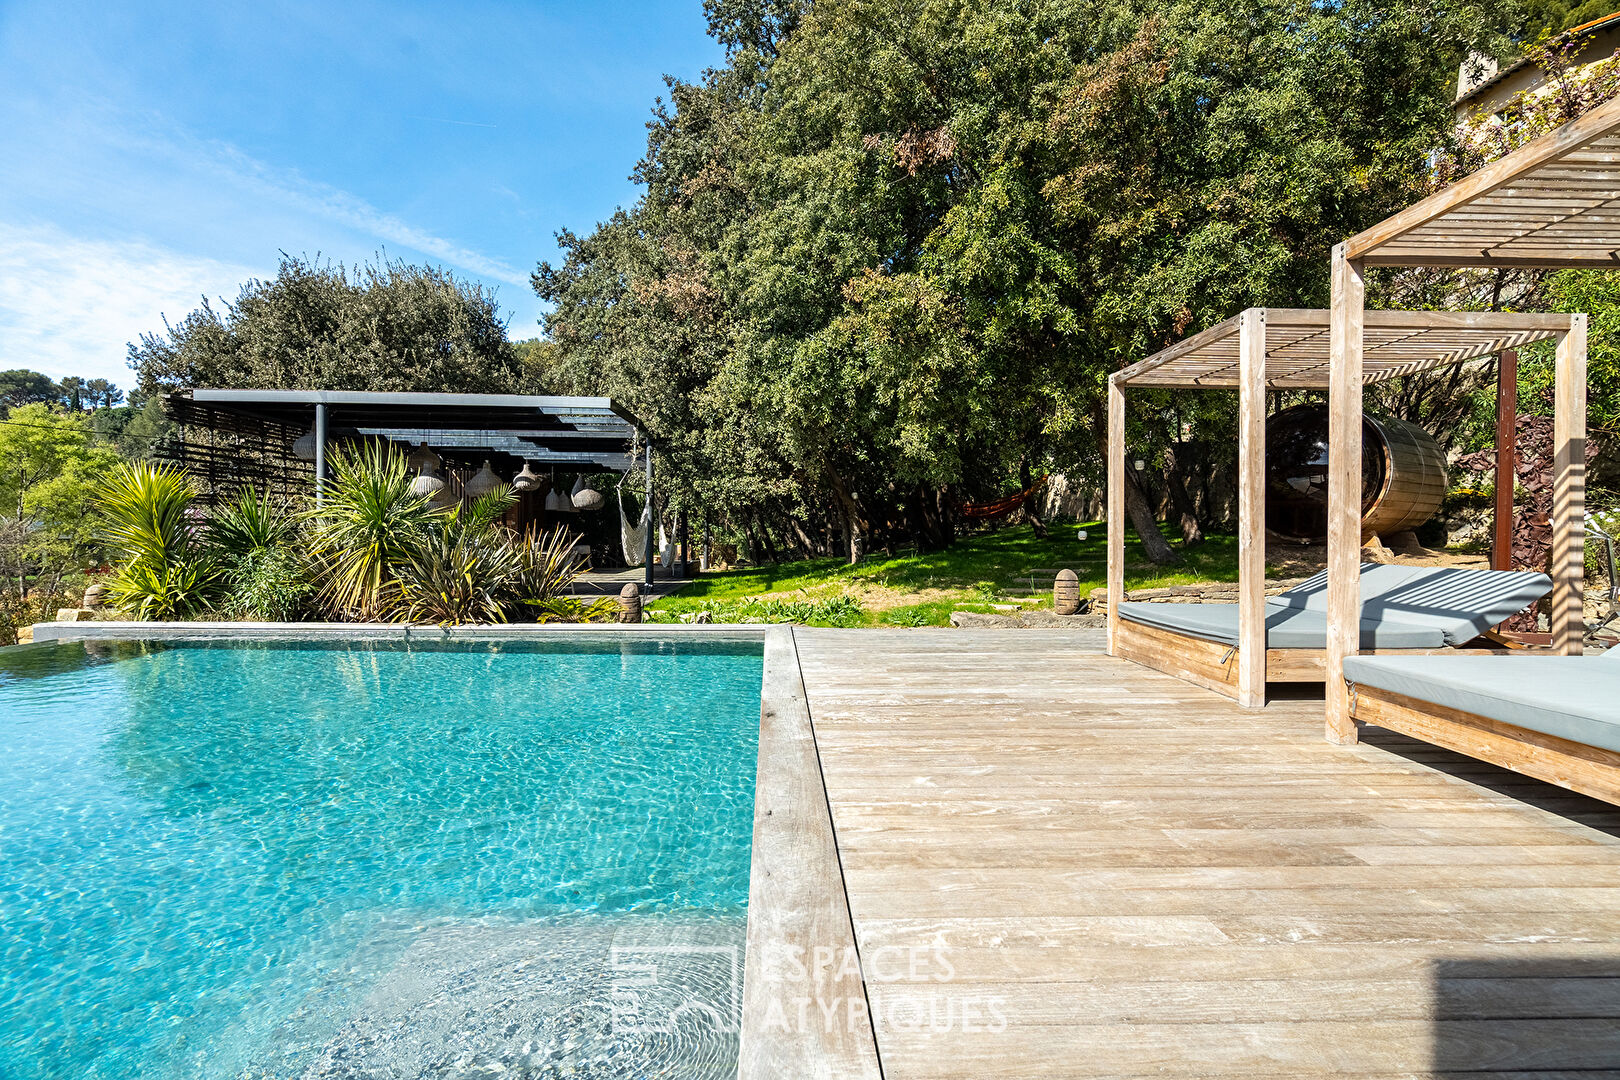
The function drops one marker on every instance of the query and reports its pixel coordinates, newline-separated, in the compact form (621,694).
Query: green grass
(923,589)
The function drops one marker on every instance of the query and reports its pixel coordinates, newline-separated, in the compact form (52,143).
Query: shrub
(250,523)
(839,611)
(457,576)
(270,584)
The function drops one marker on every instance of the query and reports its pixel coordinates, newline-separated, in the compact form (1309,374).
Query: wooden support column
(1344,488)
(1251,679)
(1507,454)
(1569,490)
(1116,509)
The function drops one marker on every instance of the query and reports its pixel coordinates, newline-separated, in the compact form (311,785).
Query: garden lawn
(973,574)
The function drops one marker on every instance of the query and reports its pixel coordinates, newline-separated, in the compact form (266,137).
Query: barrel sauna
(1403,474)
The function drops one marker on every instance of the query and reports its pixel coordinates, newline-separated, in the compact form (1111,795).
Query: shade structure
(232,437)
(1266,348)
(1554,202)
(1298,352)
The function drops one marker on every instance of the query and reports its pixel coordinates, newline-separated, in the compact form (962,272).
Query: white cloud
(338,206)
(69,306)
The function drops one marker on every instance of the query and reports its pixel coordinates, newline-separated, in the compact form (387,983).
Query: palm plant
(366,528)
(165,573)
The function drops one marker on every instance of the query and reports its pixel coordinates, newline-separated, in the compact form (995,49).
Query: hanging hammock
(633,537)
(1001,507)
(666,548)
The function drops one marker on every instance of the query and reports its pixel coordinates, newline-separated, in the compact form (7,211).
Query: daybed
(1555,718)
(1405,609)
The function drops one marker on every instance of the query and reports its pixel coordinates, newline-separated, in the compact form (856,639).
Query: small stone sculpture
(1066,593)
(630,603)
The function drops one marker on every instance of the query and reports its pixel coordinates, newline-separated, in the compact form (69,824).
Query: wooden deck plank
(1146,879)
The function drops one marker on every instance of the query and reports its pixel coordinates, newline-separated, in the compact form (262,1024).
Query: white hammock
(666,549)
(633,537)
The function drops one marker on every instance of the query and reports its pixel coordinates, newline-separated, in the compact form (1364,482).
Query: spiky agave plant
(165,574)
(366,528)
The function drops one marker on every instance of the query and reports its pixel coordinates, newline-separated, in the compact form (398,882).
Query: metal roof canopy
(1297,346)
(545,429)
(1554,202)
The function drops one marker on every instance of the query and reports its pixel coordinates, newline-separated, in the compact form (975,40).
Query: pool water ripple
(206,847)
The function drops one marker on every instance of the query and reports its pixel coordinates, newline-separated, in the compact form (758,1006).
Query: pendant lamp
(303,447)
(526,480)
(483,482)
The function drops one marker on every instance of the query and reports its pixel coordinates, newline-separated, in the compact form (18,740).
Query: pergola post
(1568,560)
(647,543)
(1507,412)
(1251,655)
(1345,321)
(1116,508)
(320,452)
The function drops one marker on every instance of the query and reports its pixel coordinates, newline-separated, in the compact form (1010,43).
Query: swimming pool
(310,858)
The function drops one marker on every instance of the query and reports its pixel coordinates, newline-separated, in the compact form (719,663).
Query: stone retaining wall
(1211,592)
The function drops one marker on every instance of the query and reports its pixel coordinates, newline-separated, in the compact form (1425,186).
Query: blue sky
(152,153)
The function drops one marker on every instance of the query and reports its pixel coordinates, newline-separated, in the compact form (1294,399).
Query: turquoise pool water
(301,859)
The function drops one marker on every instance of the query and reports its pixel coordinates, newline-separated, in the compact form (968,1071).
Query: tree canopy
(888,253)
(316,325)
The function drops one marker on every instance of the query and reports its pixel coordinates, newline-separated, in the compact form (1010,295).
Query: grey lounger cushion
(1286,628)
(1573,697)
(1402,607)
(1460,603)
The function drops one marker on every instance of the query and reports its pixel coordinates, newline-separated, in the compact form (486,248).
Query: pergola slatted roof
(1553,202)
(1298,346)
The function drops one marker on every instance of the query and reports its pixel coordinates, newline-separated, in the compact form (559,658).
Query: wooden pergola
(1285,348)
(1552,203)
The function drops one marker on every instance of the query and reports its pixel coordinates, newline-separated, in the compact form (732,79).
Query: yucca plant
(250,522)
(165,574)
(366,528)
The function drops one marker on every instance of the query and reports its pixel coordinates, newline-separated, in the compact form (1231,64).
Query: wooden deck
(1060,864)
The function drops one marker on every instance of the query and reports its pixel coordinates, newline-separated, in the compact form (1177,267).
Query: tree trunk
(851,512)
(1153,542)
(765,538)
(1030,513)
(1191,532)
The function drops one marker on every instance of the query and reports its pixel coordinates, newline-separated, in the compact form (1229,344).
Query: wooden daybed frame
(1284,348)
(1590,770)
(1550,204)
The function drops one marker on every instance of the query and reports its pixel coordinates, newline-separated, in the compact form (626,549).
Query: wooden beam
(1252,509)
(1523,161)
(1344,489)
(1203,339)
(1507,411)
(1116,508)
(1568,567)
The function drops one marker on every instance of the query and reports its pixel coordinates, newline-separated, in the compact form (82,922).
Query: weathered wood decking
(1142,878)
